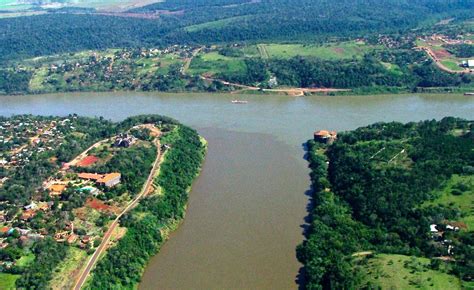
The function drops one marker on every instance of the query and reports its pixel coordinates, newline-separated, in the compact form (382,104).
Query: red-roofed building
(324,136)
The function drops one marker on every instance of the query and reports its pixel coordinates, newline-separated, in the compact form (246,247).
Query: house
(86,239)
(72,239)
(124,140)
(3,245)
(32,206)
(91,190)
(28,214)
(4,230)
(90,176)
(61,236)
(326,137)
(110,179)
(452,228)
(56,189)
(470,63)
(433,228)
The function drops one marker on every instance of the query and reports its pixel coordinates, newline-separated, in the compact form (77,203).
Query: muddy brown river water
(247,207)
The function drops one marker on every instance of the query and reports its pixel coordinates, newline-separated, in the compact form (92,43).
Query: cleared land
(214,63)
(7,281)
(458,193)
(404,272)
(333,51)
(102,5)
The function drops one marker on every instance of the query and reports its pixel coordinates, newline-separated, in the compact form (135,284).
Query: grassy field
(332,51)
(463,202)
(13,5)
(214,24)
(106,5)
(25,260)
(214,63)
(63,275)
(7,281)
(404,272)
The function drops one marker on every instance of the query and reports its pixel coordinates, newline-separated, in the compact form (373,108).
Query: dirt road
(440,65)
(188,61)
(103,245)
(290,91)
(84,154)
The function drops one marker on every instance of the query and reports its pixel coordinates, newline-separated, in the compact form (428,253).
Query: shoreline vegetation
(381,214)
(55,224)
(156,216)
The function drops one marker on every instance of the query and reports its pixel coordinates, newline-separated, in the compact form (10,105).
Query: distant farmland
(103,5)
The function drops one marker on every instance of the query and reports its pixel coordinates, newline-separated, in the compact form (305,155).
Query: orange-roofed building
(28,214)
(324,136)
(57,189)
(4,230)
(72,239)
(110,179)
(90,176)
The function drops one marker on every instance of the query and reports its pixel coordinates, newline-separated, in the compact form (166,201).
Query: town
(76,201)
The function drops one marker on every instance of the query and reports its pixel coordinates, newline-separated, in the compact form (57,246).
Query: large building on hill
(326,137)
(109,179)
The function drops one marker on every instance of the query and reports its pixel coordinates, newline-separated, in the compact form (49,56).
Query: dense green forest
(123,264)
(222,21)
(462,50)
(372,191)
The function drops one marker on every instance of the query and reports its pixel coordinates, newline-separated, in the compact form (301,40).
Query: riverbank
(240,94)
(294,92)
(156,216)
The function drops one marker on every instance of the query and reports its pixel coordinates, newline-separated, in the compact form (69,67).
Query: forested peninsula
(392,207)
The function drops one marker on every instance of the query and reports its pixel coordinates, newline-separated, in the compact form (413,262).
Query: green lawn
(452,64)
(463,202)
(404,272)
(214,24)
(63,274)
(215,63)
(25,260)
(332,51)
(7,281)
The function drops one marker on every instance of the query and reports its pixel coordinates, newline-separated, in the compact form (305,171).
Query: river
(247,208)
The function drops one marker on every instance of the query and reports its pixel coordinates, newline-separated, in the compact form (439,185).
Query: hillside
(204,22)
(392,189)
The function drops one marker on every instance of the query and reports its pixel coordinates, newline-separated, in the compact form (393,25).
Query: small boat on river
(239,102)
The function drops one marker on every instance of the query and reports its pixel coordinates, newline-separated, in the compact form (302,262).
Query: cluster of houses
(438,235)
(447,40)
(20,138)
(124,140)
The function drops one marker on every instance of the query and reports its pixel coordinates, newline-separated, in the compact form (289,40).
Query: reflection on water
(245,210)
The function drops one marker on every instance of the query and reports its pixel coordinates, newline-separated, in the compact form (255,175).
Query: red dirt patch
(101,206)
(88,161)
(441,54)
(98,204)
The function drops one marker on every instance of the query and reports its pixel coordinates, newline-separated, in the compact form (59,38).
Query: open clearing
(102,5)
(7,281)
(332,51)
(404,272)
(214,63)
(65,274)
(463,202)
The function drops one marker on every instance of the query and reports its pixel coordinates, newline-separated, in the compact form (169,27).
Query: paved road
(103,245)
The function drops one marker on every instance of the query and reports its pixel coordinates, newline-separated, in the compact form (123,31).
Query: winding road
(103,245)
